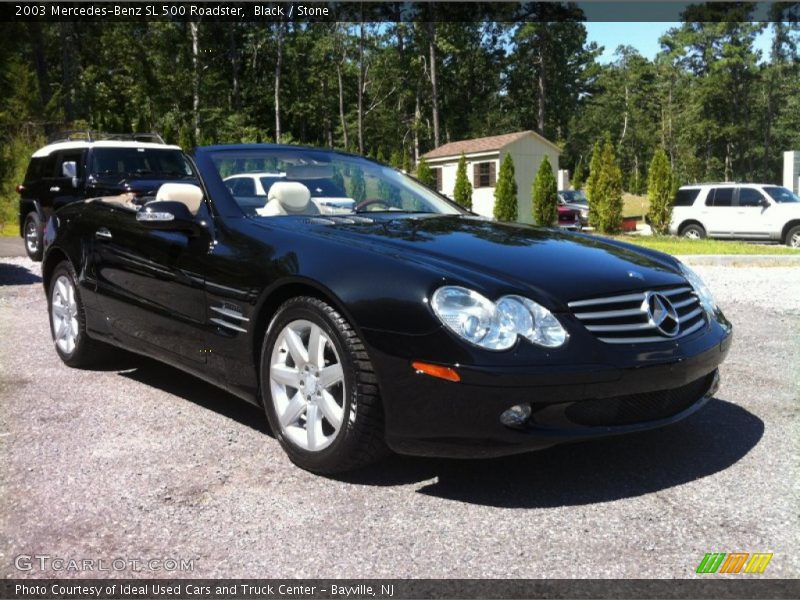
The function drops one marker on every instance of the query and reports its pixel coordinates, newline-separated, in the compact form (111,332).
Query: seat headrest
(293,196)
(186,193)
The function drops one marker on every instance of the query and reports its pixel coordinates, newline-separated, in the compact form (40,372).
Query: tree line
(717,107)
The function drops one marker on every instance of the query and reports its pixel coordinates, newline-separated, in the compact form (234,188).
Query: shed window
(483,174)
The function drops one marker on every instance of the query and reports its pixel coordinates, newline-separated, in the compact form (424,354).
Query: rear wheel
(32,230)
(693,232)
(319,389)
(793,237)
(68,319)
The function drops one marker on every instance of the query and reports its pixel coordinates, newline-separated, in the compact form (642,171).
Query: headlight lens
(496,325)
(703,293)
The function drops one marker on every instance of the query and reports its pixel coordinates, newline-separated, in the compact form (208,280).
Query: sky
(643,37)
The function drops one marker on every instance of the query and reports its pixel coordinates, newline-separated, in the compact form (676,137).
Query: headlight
(496,325)
(703,293)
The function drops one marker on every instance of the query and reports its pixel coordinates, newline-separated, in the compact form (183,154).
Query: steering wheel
(370,202)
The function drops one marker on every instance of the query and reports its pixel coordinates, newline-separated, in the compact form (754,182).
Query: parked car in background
(253,189)
(569,219)
(82,164)
(408,323)
(576,200)
(755,211)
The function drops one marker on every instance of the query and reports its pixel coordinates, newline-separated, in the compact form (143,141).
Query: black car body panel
(202,300)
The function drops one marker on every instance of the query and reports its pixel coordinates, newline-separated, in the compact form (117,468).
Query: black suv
(80,165)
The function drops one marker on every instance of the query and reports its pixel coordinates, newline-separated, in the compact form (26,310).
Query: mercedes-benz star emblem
(661,314)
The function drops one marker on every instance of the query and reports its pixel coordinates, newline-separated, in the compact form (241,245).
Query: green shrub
(425,174)
(606,204)
(462,193)
(660,192)
(545,195)
(505,192)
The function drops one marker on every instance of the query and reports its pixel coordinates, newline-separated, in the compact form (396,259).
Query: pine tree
(606,205)
(185,138)
(505,192)
(545,195)
(594,171)
(578,176)
(462,193)
(659,192)
(425,174)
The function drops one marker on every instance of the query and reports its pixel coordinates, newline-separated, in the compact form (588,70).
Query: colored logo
(735,562)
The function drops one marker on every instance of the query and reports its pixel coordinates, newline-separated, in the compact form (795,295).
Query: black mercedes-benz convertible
(365,312)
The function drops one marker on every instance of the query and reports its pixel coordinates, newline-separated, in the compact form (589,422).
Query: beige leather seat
(288,198)
(187,194)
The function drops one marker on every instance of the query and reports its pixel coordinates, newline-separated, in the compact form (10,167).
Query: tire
(68,320)
(336,388)
(693,232)
(32,236)
(793,237)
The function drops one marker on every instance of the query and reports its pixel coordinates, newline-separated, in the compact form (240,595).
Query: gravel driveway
(140,461)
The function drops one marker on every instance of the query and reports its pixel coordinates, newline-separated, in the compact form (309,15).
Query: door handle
(103,233)
(55,188)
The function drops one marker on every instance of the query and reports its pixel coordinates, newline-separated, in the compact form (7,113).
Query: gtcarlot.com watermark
(46,562)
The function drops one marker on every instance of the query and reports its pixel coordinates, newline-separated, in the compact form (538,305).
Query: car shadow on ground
(710,441)
(173,381)
(11,274)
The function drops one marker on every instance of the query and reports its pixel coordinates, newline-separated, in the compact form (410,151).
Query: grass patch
(677,245)
(9,229)
(634,206)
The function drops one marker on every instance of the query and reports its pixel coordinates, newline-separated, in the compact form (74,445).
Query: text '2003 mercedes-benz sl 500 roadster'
(365,312)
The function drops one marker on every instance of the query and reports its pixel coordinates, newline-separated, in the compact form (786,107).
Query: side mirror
(166,215)
(764,202)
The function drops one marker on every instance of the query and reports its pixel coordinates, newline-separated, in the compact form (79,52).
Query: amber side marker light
(436,371)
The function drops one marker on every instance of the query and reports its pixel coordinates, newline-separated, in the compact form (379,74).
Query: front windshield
(575,197)
(140,163)
(781,194)
(273,182)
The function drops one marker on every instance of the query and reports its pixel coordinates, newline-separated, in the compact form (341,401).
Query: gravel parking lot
(140,461)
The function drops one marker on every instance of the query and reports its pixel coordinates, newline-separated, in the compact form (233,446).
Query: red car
(569,219)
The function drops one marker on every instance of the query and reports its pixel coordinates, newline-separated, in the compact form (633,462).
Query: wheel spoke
(330,375)
(63,328)
(59,310)
(62,291)
(285,375)
(332,411)
(316,345)
(314,427)
(294,409)
(296,348)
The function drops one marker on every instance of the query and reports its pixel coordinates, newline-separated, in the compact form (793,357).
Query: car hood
(557,265)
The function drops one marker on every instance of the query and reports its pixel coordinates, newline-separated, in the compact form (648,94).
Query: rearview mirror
(166,214)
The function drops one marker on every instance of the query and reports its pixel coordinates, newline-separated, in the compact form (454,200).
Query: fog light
(516,416)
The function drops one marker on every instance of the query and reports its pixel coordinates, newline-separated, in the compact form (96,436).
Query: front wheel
(319,389)
(68,319)
(32,230)
(793,237)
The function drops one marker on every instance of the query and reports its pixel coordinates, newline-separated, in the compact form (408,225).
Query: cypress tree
(594,171)
(462,193)
(660,192)
(577,177)
(425,175)
(545,195)
(606,205)
(505,192)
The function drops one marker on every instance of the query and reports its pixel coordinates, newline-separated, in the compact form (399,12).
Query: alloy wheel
(64,310)
(307,385)
(32,237)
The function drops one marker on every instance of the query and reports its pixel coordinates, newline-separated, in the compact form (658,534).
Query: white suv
(737,210)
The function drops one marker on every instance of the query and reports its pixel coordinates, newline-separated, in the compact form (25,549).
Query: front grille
(638,408)
(627,319)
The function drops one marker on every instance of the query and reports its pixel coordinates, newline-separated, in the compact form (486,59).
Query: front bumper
(568,402)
